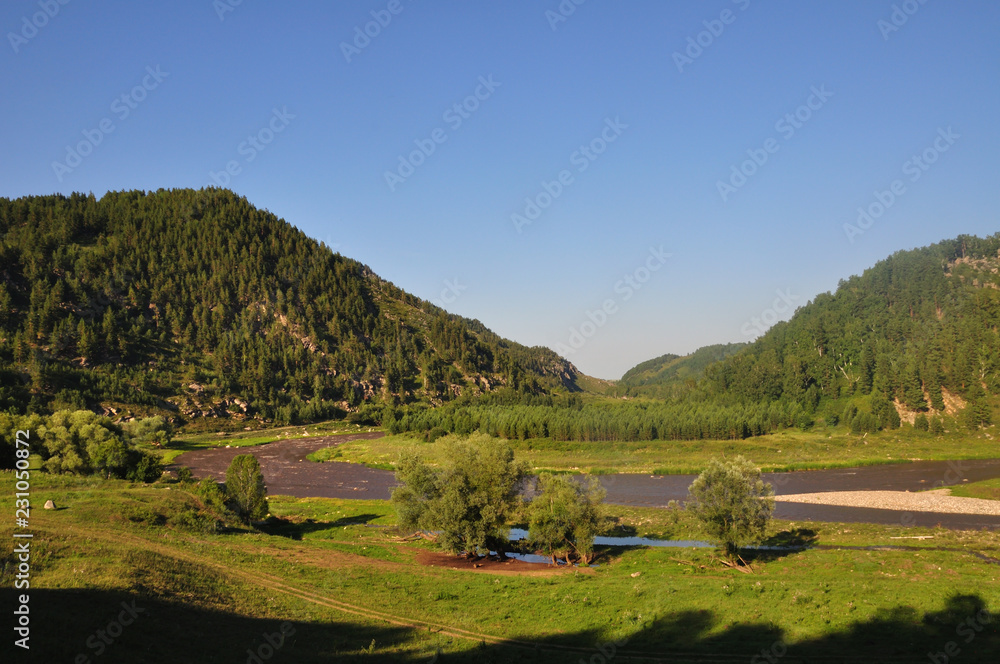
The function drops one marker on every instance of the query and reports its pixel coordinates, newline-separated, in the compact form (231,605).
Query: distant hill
(673,368)
(915,338)
(196,304)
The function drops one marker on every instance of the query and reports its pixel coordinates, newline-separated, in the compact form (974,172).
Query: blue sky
(636,252)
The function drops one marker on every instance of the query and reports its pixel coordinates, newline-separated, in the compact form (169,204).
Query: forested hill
(917,328)
(659,375)
(195,303)
(914,338)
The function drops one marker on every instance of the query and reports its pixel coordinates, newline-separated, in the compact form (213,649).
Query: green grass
(785,451)
(988,489)
(209,596)
(200,441)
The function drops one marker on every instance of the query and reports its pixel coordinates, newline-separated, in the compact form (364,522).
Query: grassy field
(989,489)
(349,590)
(789,450)
(199,441)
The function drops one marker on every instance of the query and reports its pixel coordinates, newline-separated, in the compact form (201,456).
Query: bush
(920,423)
(434,434)
(937,426)
(213,496)
(733,502)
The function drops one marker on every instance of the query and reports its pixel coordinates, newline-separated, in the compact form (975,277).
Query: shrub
(212,495)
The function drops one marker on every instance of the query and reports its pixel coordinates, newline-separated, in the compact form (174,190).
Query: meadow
(351,589)
(790,449)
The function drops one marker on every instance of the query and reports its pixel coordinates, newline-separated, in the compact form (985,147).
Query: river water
(287,472)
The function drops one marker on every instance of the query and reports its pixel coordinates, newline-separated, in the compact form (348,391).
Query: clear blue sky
(656,184)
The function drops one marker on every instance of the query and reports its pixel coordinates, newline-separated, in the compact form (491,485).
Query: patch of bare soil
(510,567)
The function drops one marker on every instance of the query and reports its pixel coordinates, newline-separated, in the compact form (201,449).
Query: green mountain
(196,304)
(650,376)
(916,338)
(919,329)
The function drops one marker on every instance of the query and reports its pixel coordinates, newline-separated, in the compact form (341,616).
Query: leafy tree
(937,426)
(733,503)
(565,516)
(245,488)
(80,442)
(469,499)
(921,422)
(150,431)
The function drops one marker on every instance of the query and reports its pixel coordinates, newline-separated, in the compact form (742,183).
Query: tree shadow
(99,625)
(296,530)
(66,623)
(782,544)
(962,628)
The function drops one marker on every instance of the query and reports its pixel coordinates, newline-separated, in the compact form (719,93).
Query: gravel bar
(899,500)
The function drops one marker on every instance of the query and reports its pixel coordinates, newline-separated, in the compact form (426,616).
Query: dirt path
(258,578)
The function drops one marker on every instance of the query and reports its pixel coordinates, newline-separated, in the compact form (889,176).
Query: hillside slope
(654,377)
(919,329)
(196,304)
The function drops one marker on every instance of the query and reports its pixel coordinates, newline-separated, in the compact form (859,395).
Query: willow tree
(733,502)
(468,500)
(565,516)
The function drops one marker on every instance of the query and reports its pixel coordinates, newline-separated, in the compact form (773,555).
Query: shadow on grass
(66,623)
(296,530)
